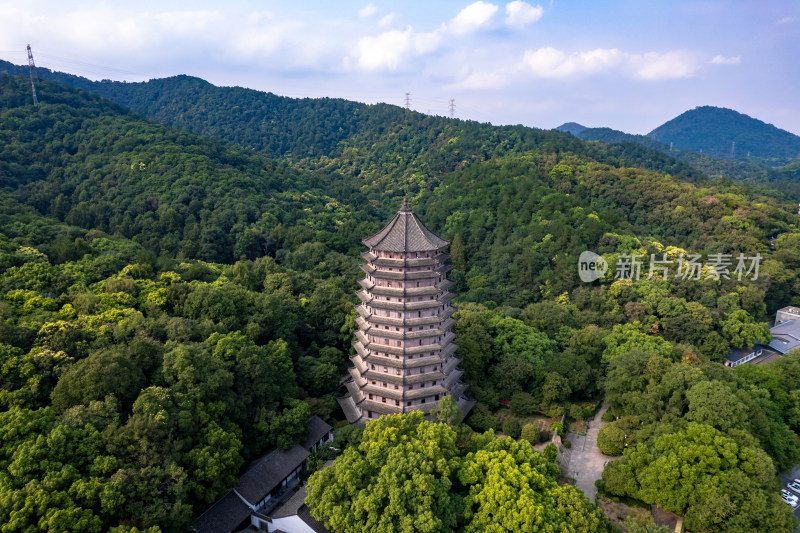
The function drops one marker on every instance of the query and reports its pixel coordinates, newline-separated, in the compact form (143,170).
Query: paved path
(586,463)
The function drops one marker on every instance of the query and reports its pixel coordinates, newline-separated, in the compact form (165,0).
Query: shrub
(611,439)
(608,416)
(567,444)
(482,419)
(530,433)
(512,428)
(551,452)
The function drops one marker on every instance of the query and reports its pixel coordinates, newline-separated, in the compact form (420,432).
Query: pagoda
(404,349)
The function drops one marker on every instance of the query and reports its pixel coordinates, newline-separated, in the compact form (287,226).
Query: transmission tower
(32,69)
(733,149)
(408,101)
(452,107)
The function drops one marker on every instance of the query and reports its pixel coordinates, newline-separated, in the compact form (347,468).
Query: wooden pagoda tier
(404,349)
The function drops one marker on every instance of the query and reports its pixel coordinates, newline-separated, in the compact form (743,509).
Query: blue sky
(625,64)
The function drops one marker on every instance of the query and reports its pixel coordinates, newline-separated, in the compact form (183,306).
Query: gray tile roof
(305,515)
(785,336)
(224,516)
(350,409)
(405,233)
(317,429)
(739,353)
(269,471)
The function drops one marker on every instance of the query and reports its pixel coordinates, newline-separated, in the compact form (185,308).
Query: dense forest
(176,299)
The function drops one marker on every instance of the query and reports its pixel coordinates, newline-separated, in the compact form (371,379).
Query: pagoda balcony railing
(394,394)
(443,317)
(380,408)
(404,274)
(400,306)
(368,329)
(400,291)
(424,361)
(403,263)
(424,392)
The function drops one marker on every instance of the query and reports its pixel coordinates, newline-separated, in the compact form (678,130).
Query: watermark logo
(591,266)
(632,266)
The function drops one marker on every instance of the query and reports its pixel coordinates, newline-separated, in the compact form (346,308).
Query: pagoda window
(386,370)
(373,382)
(384,383)
(369,414)
(388,283)
(410,387)
(399,343)
(397,387)
(408,403)
(423,400)
(397,371)
(383,399)
(437,397)
(397,402)
(370,396)
(373,367)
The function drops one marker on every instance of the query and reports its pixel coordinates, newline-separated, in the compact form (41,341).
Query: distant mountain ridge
(724,132)
(713,131)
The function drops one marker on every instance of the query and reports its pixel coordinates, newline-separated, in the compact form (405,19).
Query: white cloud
(483,80)
(552,63)
(471,18)
(367,11)
(386,20)
(722,60)
(388,50)
(786,20)
(385,51)
(520,13)
(670,65)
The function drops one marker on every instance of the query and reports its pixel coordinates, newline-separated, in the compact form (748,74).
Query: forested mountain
(571,127)
(175,304)
(714,130)
(754,170)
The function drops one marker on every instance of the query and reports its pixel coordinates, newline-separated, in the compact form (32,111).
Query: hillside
(176,304)
(420,148)
(571,127)
(712,130)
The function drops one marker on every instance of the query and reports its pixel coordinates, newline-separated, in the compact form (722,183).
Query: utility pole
(32,69)
(452,107)
(408,101)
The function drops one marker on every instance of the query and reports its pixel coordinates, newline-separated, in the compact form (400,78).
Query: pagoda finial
(405,204)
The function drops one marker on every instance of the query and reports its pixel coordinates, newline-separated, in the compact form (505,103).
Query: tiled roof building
(405,350)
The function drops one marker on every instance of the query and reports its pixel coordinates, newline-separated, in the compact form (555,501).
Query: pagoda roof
(405,233)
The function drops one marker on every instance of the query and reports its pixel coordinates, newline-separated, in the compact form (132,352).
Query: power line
(32,70)
(86,64)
